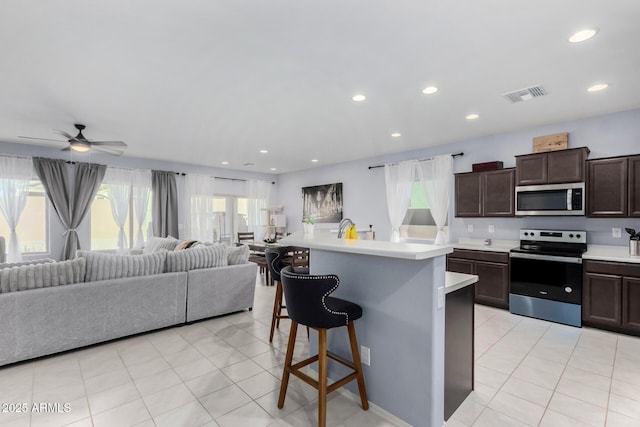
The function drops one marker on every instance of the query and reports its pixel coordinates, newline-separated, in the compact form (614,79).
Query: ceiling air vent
(525,94)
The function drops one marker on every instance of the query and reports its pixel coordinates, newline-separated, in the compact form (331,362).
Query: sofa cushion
(101,266)
(201,257)
(238,254)
(36,276)
(32,262)
(154,244)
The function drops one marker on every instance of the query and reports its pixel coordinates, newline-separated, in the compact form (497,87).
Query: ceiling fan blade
(65,134)
(111,143)
(42,139)
(109,150)
(67,148)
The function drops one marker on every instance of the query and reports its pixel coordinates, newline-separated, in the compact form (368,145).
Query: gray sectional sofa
(54,311)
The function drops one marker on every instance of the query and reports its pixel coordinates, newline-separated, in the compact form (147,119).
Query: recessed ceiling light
(274,169)
(224,163)
(472,116)
(314,160)
(358,97)
(429,90)
(583,35)
(264,151)
(396,135)
(599,86)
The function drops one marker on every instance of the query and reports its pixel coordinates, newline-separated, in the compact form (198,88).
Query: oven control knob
(526,233)
(571,236)
(568,289)
(577,236)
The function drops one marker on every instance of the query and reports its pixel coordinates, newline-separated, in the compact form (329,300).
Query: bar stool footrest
(295,370)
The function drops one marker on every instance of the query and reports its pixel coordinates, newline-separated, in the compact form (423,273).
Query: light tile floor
(535,373)
(223,372)
(218,372)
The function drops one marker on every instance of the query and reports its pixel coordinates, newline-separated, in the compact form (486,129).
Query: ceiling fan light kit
(81,144)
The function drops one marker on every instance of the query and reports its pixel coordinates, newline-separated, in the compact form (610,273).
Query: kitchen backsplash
(599,230)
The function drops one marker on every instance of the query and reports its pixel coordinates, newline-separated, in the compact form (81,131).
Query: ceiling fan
(81,144)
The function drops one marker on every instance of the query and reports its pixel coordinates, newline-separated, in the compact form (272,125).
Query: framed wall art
(323,203)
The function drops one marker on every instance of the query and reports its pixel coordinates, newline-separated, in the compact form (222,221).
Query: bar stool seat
(309,304)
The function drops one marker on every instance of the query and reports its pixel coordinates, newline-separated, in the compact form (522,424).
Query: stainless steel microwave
(550,200)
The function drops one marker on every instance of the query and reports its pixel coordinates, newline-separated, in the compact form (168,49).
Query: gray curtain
(164,213)
(71,207)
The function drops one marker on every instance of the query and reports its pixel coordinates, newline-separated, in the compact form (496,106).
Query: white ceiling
(202,81)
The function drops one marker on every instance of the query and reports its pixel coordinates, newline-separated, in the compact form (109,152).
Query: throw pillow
(36,276)
(101,266)
(185,244)
(238,254)
(156,243)
(201,257)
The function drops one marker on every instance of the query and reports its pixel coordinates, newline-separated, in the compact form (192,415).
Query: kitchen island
(401,288)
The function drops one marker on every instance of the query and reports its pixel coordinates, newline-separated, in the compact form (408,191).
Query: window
(230,216)
(104,230)
(418,222)
(32,228)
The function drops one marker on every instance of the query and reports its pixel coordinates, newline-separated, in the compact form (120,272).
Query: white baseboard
(387,416)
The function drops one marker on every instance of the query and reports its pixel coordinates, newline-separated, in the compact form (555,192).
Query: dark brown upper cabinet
(553,167)
(613,187)
(468,194)
(485,194)
(607,194)
(634,186)
(498,192)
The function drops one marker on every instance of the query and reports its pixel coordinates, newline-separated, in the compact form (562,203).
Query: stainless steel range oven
(546,275)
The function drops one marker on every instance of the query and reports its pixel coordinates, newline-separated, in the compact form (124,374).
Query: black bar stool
(275,263)
(309,304)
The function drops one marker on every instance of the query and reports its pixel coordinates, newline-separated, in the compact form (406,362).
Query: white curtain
(15,178)
(118,182)
(436,176)
(257,198)
(199,196)
(399,180)
(141,195)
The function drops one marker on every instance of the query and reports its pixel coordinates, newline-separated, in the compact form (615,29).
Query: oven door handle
(569,260)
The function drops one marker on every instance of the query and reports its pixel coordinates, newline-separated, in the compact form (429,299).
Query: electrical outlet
(616,232)
(492,228)
(365,355)
(441,297)
(470,228)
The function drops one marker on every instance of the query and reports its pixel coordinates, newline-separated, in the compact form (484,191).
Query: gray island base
(401,288)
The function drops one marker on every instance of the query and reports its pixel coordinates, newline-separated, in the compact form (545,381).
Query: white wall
(55,227)
(364,199)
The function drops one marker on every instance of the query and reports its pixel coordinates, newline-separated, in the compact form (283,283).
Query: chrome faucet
(346,222)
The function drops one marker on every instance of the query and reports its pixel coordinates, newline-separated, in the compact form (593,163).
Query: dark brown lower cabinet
(458,348)
(601,295)
(493,283)
(492,269)
(631,303)
(611,296)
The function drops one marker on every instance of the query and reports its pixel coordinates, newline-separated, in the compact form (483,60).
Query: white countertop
(478,245)
(454,281)
(326,241)
(610,253)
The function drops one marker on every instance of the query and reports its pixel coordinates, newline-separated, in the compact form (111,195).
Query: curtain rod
(221,177)
(420,160)
(184,174)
